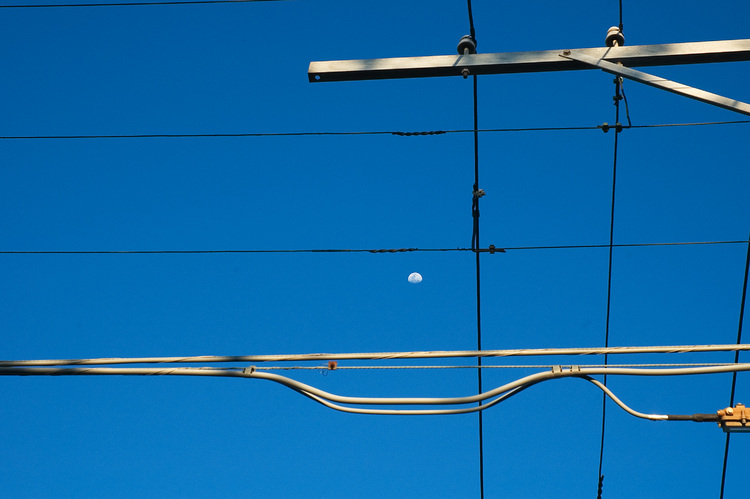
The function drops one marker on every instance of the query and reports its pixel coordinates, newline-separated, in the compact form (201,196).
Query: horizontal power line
(529,352)
(325,369)
(129,4)
(373,132)
(441,405)
(491,249)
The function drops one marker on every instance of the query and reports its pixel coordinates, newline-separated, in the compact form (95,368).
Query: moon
(415,278)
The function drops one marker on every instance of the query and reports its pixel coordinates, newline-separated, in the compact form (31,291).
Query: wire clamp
(606,127)
(557,369)
(735,419)
(479,193)
(248,370)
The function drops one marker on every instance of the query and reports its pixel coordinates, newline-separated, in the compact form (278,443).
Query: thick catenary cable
(438,354)
(325,369)
(499,393)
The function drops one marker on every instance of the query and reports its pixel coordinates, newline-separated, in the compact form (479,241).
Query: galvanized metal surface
(528,62)
(658,82)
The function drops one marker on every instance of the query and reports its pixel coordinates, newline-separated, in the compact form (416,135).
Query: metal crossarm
(528,62)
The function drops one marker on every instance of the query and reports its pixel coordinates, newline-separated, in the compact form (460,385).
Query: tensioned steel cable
(439,354)
(490,250)
(475,245)
(371,132)
(129,4)
(618,128)
(325,369)
(736,361)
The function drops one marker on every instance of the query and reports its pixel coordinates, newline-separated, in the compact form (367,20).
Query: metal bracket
(658,82)
(735,419)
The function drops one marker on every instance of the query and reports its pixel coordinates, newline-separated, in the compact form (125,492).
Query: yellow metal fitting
(735,419)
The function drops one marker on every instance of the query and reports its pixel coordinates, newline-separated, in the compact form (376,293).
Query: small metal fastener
(465,73)
(249,370)
(566,52)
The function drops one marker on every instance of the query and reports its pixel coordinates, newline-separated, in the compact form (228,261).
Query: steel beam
(658,82)
(528,62)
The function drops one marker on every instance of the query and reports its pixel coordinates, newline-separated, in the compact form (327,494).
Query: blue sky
(242,68)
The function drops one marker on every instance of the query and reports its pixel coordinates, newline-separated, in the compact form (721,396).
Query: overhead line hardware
(657,82)
(528,62)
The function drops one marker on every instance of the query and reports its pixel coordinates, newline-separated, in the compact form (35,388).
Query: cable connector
(734,419)
(479,193)
(606,127)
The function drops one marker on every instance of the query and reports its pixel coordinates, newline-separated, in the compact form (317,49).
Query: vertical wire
(736,360)
(609,277)
(475,245)
(471,22)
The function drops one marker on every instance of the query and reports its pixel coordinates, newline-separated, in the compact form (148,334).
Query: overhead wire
(333,400)
(355,133)
(736,361)
(325,369)
(434,354)
(129,4)
(475,246)
(490,250)
(618,129)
